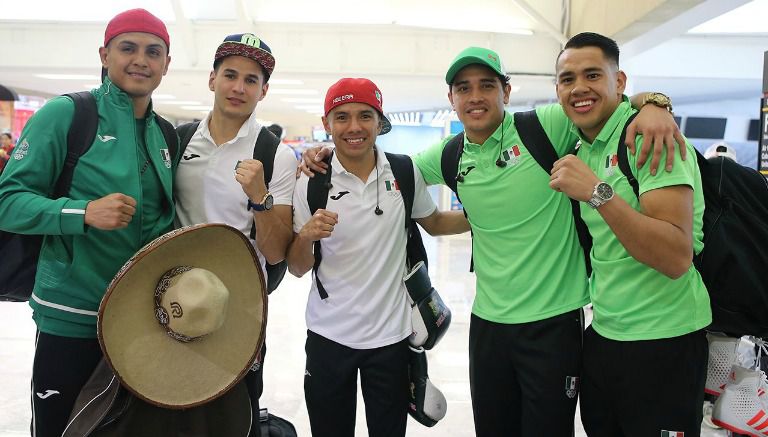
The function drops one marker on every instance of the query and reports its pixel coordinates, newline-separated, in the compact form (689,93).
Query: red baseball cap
(359,90)
(136,20)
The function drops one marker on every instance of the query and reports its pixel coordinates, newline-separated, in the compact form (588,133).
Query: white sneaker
(722,356)
(726,351)
(743,406)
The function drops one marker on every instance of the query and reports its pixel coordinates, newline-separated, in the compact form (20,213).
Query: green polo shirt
(632,301)
(528,261)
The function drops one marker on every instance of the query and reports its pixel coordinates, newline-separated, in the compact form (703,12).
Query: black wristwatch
(265,205)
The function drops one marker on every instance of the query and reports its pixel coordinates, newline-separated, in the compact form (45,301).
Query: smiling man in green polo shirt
(650,303)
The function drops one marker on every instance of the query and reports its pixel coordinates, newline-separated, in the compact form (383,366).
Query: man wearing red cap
(363,322)
(206,188)
(120,199)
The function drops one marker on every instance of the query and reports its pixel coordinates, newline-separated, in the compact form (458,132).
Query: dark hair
(590,39)
(217,64)
(6,134)
(275,129)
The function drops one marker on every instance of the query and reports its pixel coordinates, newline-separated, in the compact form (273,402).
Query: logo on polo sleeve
(21,150)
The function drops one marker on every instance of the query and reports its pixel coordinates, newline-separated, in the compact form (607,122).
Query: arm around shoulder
(444,223)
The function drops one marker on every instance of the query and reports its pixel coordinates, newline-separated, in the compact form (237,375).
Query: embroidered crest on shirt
(166,157)
(511,155)
(21,150)
(392,187)
(611,162)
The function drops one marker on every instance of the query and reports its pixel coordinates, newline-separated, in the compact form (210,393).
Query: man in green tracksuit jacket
(120,199)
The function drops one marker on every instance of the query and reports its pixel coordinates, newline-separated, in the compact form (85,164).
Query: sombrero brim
(164,371)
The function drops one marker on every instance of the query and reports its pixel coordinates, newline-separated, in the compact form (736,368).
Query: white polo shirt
(205,188)
(364,258)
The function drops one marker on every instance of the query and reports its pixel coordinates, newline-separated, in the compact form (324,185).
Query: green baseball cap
(475,55)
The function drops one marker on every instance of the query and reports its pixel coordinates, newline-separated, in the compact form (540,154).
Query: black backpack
(733,261)
(535,139)
(264,150)
(402,169)
(21,252)
(275,426)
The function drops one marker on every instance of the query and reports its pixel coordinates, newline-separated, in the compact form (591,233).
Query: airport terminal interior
(709,56)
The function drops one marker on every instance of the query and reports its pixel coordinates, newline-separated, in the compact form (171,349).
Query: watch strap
(255,206)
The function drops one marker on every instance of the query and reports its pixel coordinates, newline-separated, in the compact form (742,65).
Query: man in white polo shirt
(363,323)
(218,181)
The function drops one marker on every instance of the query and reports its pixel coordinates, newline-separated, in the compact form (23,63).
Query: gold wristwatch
(658,99)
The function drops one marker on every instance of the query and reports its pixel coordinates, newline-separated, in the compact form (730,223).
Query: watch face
(604,191)
(660,99)
(268,201)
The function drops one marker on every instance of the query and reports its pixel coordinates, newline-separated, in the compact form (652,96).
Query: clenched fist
(249,173)
(320,225)
(113,211)
(573,177)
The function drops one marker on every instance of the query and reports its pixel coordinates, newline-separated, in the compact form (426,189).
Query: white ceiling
(395,43)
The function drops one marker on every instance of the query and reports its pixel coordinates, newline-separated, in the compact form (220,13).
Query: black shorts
(642,388)
(524,377)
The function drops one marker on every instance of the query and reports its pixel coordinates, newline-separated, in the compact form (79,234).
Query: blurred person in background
(6,145)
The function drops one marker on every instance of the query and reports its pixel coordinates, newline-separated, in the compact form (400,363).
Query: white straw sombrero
(182,321)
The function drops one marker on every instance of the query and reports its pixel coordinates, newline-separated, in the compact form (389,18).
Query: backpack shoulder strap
(449,161)
(186,131)
(402,169)
(171,139)
(81,134)
(624,160)
(265,150)
(317,198)
(535,139)
(318,188)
